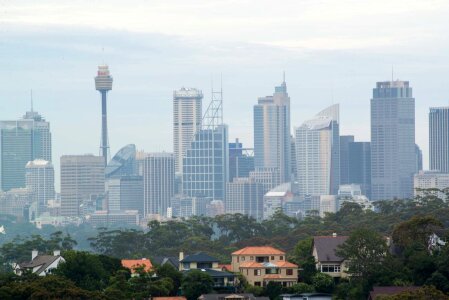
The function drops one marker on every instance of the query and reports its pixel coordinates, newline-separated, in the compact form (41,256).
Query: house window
(257,283)
(330,268)
(281,258)
(243,258)
(289,271)
(272,258)
(186,266)
(251,258)
(257,272)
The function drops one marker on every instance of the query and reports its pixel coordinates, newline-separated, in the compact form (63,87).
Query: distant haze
(331,51)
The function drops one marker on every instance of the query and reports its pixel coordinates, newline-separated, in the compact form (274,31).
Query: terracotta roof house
(260,265)
(40,264)
(134,264)
(327,261)
(389,291)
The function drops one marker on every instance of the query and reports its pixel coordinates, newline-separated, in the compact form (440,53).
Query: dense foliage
(405,259)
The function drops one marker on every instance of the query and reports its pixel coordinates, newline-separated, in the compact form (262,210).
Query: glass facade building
(439,139)
(318,154)
(393,158)
(241,160)
(22,141)
(272,133)
(205,165)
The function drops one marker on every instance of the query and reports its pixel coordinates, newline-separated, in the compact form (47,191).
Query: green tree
(323,283)
(195,283)
(302,256)
(363,252)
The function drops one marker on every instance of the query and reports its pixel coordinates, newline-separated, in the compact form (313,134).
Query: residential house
(261,265)
(231,297)
(327,261)
(208,264)
(39,264)
(134,264)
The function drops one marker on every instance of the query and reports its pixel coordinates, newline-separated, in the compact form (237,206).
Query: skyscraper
(345,141)
(206,163)
(22,141)
(272,132)
(318,153)
(187,115)
(103,84)
(81,177)
(245,196)
(393,161)
(439,139)
(158,182)
(40,181)
(241,160)
(359,166)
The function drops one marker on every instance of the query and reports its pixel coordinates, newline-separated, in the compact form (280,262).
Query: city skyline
(332,61)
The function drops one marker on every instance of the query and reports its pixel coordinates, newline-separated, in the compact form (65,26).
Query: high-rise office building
(245,196)
(103,84)
(158,183)
(293,158)
(206,162)
(187,115)
(205,166)
(359,166)
(393,160)
(345,141)
(81,177)
(241,160)
(439,139)
(40,181)
(22,141)
(272,132)
(318,153)
(268,177)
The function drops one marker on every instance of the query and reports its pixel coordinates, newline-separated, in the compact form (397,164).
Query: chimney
(34,253)
(57,253)
(334,234)
(181,256)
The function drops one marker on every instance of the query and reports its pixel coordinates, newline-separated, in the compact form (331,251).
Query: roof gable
(261,250)
(326,246)
(199,257)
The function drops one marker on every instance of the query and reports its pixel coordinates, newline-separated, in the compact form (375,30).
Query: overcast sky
(331,51)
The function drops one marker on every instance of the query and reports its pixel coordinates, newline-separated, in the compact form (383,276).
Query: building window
(272,258)
(289,271)
(330,268)
(281,258)
(257,272)
(251,258)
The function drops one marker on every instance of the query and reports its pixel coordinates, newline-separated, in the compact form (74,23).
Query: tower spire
(283,77)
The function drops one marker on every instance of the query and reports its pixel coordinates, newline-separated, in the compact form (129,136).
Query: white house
(40,264)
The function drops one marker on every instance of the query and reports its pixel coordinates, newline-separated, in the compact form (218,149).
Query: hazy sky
(331,51)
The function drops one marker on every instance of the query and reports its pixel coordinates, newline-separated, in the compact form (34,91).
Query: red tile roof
(263,250)
(225,267)
(285,264)
(135,263)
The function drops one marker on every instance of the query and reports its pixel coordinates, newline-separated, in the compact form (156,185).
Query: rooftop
(261,250)
(199,257)
(326,245)
(133,264)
